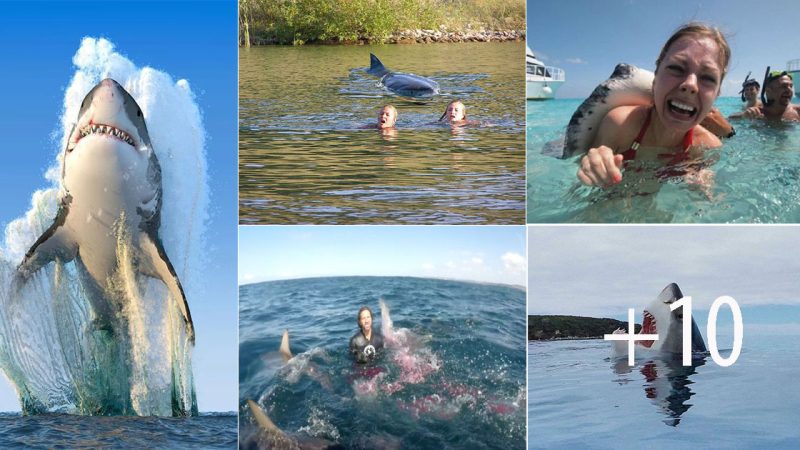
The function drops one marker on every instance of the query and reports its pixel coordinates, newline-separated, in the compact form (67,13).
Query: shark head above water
(111,192)
(659,319)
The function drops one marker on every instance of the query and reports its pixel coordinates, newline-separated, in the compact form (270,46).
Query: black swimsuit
(363,349)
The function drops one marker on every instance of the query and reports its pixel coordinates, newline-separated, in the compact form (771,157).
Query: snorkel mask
(746,83)
(768,77)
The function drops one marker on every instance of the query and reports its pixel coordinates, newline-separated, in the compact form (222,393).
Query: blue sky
(196,42)
(494,254)
(601,271)
(588,38)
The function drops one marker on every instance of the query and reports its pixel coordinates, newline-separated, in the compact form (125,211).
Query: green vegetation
(300,21)
(572,327)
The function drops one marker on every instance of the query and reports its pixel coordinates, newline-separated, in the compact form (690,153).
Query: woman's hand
(600,167)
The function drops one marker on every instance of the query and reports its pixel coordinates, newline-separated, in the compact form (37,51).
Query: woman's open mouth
(681,109)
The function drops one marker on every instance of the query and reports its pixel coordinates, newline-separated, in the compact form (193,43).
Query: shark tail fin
(285,351)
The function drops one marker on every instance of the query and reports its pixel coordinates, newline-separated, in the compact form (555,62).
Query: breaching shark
(627,86)
(403,84)
(111,193)
(667,324)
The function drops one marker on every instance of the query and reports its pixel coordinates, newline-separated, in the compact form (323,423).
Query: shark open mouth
(648,327)
(109,130)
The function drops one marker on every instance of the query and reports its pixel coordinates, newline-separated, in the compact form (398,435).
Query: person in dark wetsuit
(364,345)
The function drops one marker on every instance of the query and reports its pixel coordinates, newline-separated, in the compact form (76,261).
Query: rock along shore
(426,37)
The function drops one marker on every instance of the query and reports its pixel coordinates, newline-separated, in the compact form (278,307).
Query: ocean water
(453,374)
(208,430)
(307,153)
(579,398)
(756,178)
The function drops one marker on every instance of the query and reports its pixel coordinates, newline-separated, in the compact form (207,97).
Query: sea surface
(307,153)
(209,430)
(453,378)
(579,398)
(757,178)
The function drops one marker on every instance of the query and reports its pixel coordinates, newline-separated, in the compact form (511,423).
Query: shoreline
(417,36)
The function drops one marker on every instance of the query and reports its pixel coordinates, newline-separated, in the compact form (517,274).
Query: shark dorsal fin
(376,66)
(285,350)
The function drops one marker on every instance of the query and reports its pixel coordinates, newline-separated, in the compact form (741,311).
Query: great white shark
(111,193)
(403,84)
(667,324)
(628,85)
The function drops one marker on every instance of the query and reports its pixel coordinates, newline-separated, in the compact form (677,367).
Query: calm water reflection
(305,155)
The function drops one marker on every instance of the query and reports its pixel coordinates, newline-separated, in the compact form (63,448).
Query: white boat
(793,67)
(542,81)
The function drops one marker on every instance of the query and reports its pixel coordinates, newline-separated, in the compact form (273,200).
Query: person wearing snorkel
(749,93)
(777,99)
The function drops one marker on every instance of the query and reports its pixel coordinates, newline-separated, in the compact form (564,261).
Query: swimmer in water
(456,114)
(364,345)
(688,77)
(777,99)
(387,117)
(749,93)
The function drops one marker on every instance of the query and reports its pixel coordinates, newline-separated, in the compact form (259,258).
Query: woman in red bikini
(688,77)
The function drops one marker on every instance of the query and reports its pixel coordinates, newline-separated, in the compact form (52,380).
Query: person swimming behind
(688,77)
(776,98)
(456,114)
(364,345)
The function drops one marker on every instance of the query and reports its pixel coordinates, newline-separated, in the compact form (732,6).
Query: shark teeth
(107,129)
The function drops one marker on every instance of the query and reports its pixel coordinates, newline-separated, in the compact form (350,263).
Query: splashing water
(54,347)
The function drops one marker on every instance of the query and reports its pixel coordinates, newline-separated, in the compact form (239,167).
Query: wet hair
(391,107)
(699,29)
(362,309)
(448,105)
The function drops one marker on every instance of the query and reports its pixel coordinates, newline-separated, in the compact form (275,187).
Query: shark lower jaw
(648,327)
(106,130)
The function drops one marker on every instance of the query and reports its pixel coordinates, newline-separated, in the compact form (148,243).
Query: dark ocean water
(209,430)
(455,378)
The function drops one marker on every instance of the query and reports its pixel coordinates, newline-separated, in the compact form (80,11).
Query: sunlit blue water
(578,398)
(456,381)
(757,178)
(209,430)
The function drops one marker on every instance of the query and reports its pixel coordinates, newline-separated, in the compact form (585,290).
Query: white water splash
(49,346)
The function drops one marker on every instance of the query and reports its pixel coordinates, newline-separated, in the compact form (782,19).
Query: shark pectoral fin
(155,263)
(54,243)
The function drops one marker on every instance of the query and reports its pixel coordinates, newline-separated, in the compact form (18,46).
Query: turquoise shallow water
(756,178)
(455,380)
(578,397)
